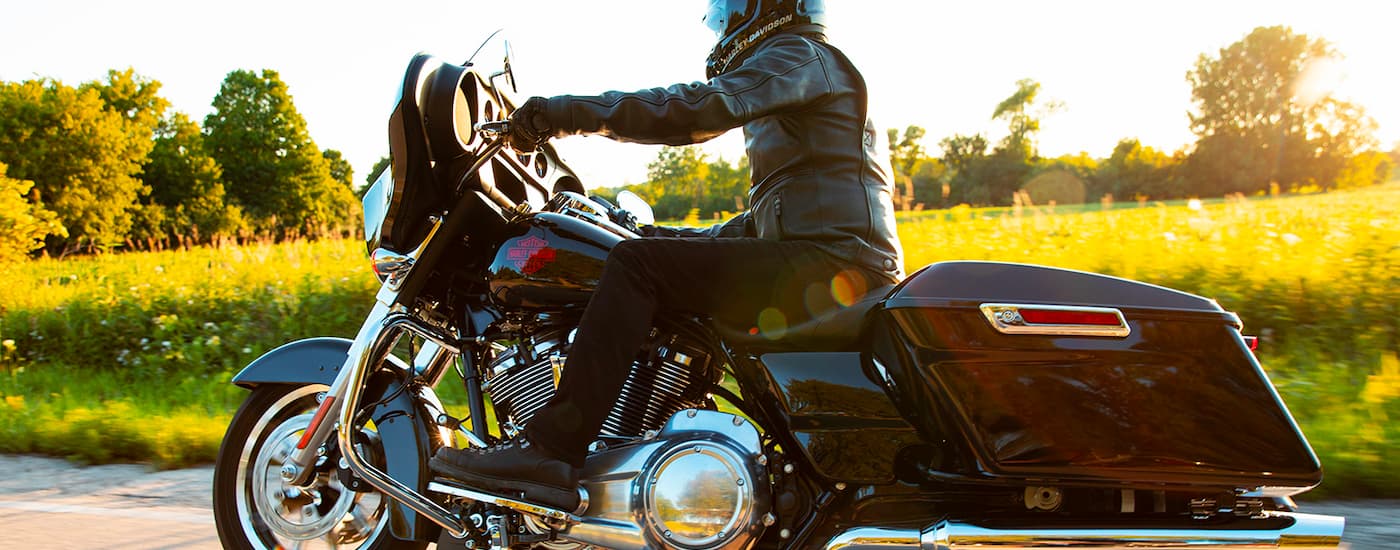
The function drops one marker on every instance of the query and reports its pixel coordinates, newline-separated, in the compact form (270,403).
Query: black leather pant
(740,282)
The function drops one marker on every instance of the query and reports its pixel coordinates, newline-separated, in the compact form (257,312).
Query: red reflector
(1252,342)
(1061,317)
(316,421)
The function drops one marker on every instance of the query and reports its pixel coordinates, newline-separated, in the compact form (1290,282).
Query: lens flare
(1319,78)
(772,324)
(817,298)
(847,288)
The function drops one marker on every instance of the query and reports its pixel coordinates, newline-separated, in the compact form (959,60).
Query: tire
(252,508)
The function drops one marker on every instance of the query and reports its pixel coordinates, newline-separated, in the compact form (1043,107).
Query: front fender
(404,423)
(309,361)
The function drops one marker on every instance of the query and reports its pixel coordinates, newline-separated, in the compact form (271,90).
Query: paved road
(51,503)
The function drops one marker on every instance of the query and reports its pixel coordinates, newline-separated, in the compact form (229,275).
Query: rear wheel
(255,508)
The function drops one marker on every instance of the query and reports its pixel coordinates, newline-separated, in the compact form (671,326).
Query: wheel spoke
(359,521)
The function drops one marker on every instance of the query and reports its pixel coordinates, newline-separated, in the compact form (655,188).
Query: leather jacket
(818,171)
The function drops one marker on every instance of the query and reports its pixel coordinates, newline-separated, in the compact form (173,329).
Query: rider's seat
(838,329)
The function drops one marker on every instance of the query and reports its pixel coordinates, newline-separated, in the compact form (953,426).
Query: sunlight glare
(1319,78)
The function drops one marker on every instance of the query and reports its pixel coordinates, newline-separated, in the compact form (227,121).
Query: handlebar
(494,130)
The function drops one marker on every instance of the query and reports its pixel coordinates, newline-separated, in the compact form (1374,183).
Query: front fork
(372,345)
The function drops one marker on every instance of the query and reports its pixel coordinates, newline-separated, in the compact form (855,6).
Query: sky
(1117,67)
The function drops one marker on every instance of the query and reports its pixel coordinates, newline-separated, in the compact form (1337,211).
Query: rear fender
(403,422)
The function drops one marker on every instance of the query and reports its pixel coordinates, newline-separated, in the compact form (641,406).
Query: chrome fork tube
(431,363)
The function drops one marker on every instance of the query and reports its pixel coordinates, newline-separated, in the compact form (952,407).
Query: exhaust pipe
(1305,531)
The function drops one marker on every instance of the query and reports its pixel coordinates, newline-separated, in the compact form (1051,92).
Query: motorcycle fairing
(402,423)
(1179,401)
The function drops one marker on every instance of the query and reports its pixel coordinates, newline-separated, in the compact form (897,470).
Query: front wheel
(255,509)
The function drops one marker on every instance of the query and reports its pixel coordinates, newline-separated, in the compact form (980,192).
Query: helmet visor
(717,17)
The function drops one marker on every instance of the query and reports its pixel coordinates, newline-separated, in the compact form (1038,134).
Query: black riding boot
(513,469)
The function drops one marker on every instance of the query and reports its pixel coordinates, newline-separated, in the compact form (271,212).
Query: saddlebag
(1022,373)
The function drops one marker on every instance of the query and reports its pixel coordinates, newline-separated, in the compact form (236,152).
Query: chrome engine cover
(700,483)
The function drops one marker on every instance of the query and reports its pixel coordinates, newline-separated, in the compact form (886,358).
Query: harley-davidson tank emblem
(530,254)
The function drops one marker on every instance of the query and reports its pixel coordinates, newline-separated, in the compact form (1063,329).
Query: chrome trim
(390,265)
(373,344)
(578,206)
(569,202)
(532,509)
(673,480)
(431,363)
(620,481)
(303,458)
(1006,319)
(874,538)
(1307,531)
(393,268)
(605,533)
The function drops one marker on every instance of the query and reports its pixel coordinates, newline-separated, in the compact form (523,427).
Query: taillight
(1063,317)
(1252,342)
(1056,320)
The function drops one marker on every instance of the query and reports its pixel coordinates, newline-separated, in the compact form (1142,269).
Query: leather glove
(529,127)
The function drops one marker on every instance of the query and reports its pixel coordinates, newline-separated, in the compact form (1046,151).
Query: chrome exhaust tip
(1303,531)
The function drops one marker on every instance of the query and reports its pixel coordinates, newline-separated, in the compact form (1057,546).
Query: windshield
(492,60)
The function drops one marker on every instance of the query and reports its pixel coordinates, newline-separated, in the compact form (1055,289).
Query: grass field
(127,357)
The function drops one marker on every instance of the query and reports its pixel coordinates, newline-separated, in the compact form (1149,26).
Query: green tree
(1135,170)
(1022,114)
(1368,168)
(187,199)
(138,102)
(676,181)
(726,187)
(341,170)
(23,225)
(905,154)
(929,179)
(1262,120)
(271,166)
(82,154)
(1012,161)
(134,98)
(964,157)
(1062,180)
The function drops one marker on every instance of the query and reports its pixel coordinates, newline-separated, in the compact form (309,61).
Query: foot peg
(456,489)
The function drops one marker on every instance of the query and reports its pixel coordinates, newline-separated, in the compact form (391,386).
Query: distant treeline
(106,165)
(1261,127)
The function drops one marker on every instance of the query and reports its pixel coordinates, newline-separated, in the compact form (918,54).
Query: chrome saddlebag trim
(1307,531)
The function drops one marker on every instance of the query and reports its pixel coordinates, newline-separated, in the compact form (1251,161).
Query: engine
(699,483)
(670,374)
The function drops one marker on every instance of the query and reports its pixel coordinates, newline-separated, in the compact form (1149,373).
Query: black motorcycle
(975,404)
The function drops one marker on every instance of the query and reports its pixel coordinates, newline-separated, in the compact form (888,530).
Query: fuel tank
(549,261)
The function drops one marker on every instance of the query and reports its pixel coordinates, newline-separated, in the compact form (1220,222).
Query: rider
(821,223)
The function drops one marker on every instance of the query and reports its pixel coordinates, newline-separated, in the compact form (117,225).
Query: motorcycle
(974,404)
